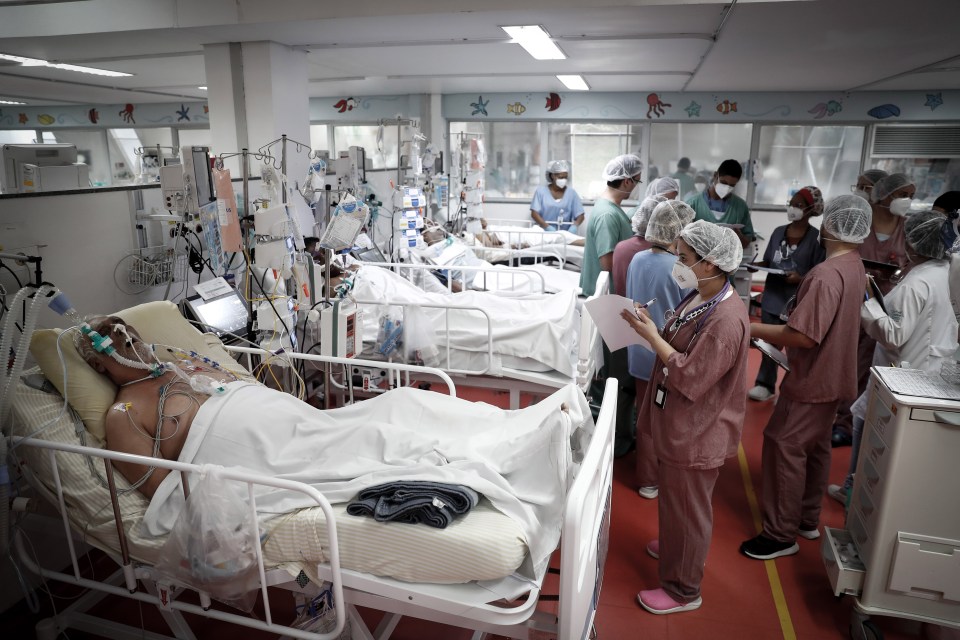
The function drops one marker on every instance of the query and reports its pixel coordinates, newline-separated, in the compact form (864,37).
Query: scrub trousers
(646,463)
(795,466)
(686,525)
(865,347)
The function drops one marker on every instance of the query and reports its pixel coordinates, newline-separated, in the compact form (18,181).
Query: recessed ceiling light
(202,88)
(574,83)
(3,101)
(36,62)
(536,41)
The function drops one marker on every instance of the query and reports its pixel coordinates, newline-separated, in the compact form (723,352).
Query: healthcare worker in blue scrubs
(556,206)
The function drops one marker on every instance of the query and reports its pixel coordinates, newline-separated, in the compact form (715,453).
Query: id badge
(660,397)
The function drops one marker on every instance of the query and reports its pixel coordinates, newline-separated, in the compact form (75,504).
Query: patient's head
(126,340)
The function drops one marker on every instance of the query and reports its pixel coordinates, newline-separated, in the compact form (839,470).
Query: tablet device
(882,266)
(875,292)
(770,351)
(224,314)
(372,254)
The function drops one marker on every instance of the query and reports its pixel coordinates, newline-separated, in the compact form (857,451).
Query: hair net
(641,215)
(873,175)
(662,186)
(848,218)
(558,166)
(625,166)
(814,199)
(888,184)
(668,220)
(716,244)
(923,233)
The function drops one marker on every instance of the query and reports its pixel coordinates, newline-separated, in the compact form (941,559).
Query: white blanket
(521,461)
(540,327)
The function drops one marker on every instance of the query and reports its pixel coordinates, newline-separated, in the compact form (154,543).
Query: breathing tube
(8,385)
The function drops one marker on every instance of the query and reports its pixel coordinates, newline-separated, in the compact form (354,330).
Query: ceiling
(370,47)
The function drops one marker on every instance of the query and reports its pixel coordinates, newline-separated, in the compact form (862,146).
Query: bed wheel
(47,629)
(862,628)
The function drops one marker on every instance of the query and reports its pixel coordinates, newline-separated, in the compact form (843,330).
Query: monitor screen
(225,314)
(369,255)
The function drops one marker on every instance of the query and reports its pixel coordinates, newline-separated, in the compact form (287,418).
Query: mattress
(484,544)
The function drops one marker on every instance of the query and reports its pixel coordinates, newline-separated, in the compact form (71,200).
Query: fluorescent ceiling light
(574,83)
(36,62)
(2,101)
(536,41)
(202,88)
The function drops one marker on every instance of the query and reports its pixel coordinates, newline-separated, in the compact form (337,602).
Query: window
(589,147)
(513,168)
(793,156)
(929,154)
(706,145)
(380,147)
(91,150)
(318,137)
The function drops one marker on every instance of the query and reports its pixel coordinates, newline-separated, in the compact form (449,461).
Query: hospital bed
(300,551)
(534,241)
(548,343)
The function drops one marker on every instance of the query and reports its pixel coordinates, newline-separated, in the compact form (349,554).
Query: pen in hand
(638,307)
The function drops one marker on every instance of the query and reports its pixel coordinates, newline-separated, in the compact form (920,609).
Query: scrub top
(686,183)
(733,210)
(827,312)
(649,276)
(606,226)
(892,250)
(566,209)
(804,256)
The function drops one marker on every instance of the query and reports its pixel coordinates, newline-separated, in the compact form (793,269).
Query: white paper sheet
(212,288)
(615,331)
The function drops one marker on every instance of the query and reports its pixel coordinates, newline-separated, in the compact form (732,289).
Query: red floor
(738,600)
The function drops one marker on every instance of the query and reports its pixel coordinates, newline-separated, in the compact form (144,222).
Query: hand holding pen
(638,307)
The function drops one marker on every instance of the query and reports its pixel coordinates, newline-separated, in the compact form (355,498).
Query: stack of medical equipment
(409,220)
(469,160)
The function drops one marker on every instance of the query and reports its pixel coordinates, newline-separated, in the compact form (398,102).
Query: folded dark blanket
(414,502)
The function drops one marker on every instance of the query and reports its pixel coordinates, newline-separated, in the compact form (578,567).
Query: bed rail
(447,308)
(354,362)
(535,279)
(132,572)
(589,347)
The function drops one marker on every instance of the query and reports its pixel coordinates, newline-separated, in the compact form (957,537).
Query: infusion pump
(339,329)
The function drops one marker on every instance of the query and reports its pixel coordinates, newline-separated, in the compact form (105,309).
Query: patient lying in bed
(521,461)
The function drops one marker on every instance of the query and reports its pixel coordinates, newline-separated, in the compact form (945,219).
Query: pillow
(90,393)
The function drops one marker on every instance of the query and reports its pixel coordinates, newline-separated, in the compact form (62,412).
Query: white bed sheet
(542,328)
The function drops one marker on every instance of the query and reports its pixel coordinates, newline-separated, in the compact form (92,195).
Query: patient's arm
(123,437)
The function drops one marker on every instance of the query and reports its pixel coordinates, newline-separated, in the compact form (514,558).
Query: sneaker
(838,493)
(809,534)
(657,601)
(763,548)
(649,492)
(760,393)
(653,549)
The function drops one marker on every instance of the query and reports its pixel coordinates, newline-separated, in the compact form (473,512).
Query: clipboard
(876,293)
(770,351)
(880,266)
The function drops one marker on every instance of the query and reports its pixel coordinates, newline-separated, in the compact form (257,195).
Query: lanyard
(704,310)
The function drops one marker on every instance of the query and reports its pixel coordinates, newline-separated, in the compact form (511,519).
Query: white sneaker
(649,492)
(760,393)
(838,493)
(809,534)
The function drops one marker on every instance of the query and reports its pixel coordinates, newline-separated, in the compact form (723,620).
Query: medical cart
(900,551)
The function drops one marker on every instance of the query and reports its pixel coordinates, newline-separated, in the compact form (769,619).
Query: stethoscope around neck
(700,314)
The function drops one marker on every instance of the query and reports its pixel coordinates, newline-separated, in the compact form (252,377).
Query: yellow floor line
(776,588)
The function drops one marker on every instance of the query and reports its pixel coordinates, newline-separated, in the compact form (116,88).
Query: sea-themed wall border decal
(106,116)
(665,106)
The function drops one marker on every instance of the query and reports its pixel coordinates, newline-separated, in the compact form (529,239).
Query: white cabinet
(904,513)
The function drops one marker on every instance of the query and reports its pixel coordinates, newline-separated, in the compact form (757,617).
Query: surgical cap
(888,184)
(949,201)
(848,218)
(625,166)
(923,233)
(662,186)
(873,175)
(641,215)
(668,220)
(558,166)
(713,243)
(814,199)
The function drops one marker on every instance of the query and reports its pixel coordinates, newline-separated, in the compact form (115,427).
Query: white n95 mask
(684,276)
(723,190)
(900,206)
(863,194)
(794,214)
(700,186)
(561,182)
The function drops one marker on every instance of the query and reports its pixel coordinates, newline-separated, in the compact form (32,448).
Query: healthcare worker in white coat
(918,329)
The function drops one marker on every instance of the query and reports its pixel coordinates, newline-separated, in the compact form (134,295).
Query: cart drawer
(842,562)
